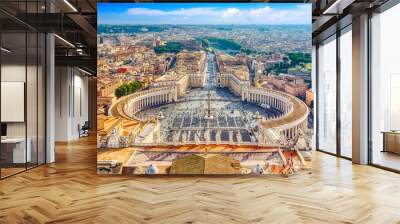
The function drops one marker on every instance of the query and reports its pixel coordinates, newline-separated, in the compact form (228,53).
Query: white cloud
(145,12)
(267,15)
(231,12)
(195,12)
(301,14)
(178,12)
(260,12)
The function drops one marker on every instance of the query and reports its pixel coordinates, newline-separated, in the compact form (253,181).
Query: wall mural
(203,88)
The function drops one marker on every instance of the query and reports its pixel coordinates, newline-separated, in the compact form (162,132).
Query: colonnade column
(50,96)
(360,89)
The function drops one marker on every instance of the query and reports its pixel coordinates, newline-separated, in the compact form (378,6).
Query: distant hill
(130,28)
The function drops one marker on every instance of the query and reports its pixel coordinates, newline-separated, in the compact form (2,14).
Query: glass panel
(31,98)
(32,86)
(13,87)
(327,96)
(311,100)
(346,94)
(41,99)
(385,84)
(23,82)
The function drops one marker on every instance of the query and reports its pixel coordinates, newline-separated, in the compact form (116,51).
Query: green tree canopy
(128,88)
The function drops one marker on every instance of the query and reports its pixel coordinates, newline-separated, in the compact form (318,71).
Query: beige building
(233,73)
(107,87)
(189,72)
(193,64)
(290,84)
(205,164)
(172,79)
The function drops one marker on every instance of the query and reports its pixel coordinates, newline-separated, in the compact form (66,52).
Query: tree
(129,88)
(170,47)
(118,92)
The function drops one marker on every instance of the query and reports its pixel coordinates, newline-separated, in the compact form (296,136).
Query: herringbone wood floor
(69,191)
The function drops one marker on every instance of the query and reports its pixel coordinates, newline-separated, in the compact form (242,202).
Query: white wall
(80,110)
(16,73)
(71,102)
(12,73)
(33,126)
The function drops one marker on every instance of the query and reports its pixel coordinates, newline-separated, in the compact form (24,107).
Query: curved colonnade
(294,111)
(128,106)
(293,118)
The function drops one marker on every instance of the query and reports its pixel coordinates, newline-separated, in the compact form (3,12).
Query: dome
(257,169)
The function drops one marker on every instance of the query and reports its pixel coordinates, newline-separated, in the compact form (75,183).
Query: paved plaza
(228,112)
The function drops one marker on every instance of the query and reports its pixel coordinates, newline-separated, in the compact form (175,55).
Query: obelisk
(209,116)
(209,103)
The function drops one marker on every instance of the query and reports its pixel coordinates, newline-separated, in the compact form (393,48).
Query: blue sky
(204,13)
